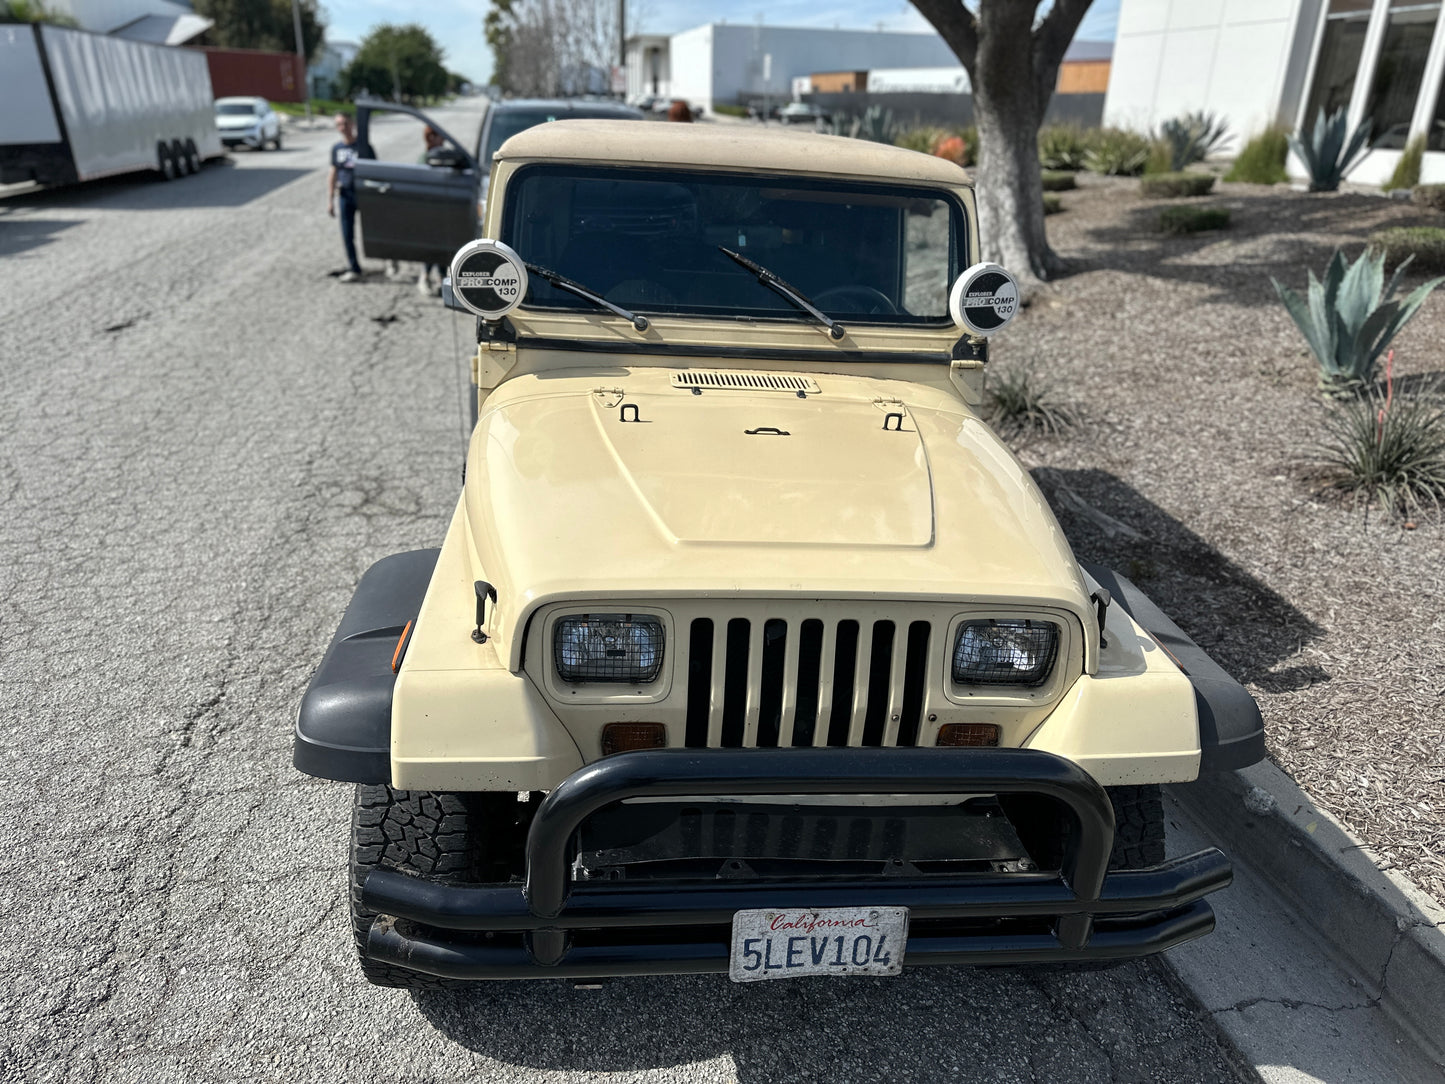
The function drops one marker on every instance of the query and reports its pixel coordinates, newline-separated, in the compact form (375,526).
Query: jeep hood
(628,487)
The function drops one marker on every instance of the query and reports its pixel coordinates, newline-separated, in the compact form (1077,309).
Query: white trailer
(79,106)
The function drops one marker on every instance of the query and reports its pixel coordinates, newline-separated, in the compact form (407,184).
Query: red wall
(278,77)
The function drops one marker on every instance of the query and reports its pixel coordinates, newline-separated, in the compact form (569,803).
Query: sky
(457,24)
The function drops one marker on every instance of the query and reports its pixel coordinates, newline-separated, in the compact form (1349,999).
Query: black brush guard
(551,927)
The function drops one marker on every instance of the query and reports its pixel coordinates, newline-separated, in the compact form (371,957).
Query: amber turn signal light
(625,737)
(396,656)
(956,734)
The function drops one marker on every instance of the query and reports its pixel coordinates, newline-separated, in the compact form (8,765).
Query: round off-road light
(488,278)
(984,299)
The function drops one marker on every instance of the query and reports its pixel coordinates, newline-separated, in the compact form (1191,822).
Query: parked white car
(251,121)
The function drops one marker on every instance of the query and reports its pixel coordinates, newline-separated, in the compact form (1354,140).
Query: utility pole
(622,44)
(301,56)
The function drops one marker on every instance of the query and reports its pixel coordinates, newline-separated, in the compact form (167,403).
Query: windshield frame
(832,183)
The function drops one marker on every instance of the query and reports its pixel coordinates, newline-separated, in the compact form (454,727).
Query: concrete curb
(1390,935)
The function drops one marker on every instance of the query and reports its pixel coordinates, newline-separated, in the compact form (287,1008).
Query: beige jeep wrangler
(750,647)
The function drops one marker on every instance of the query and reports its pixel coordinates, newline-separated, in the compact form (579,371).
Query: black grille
(837,683)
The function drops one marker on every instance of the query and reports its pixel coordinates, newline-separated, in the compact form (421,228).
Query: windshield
(236,109)
(651,240)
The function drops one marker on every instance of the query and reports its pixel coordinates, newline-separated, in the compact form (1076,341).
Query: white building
(1262,62)
(725,63)
(324,73)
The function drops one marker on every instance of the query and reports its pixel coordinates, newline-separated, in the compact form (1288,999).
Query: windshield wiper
(792,293)
(639,323)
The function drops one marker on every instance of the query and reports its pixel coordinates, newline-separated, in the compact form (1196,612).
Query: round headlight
(1013,651)
(620,648)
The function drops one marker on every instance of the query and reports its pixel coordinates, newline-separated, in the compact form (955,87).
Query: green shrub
(1425,245)
(1053,203)
(1182,141)
(1326,152)
(1429,195)
(1349,317)
(1175,185)
(1407,169)
(1062,147)
(321,107)
(921,139)
(1189,218)
(1019,402)
(1262,160)
(970,144)
(1116,152)
(1055,180)
(1386,448)
(1160,160)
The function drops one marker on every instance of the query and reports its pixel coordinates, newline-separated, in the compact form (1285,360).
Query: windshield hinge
(967,375)
(492,362)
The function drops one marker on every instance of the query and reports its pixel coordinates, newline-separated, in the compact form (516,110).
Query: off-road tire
(1138,826)
(434,835)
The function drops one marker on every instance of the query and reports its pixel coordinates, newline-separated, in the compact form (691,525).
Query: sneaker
(423,287)
(393,269)
(349,276)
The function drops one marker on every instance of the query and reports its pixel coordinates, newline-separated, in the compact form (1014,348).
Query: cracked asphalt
(204,441)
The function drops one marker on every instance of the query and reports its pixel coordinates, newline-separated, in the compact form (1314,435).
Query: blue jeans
(347,213)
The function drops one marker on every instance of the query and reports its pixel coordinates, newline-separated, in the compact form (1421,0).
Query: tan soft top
(736,146)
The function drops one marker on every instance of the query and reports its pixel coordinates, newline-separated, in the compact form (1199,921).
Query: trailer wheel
(178,153)
(193,157)
(165,162)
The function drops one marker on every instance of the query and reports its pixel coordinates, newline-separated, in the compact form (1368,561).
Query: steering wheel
(856,298)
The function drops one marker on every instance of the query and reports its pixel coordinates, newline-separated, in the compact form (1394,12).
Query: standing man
(341,181)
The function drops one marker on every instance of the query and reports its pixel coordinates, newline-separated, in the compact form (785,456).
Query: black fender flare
(1231,729)
(343,727)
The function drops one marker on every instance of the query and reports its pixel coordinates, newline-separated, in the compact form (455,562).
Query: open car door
(412,210)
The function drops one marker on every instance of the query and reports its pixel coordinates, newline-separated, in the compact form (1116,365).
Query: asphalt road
(204,441)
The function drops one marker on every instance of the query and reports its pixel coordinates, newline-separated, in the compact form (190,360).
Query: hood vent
(708,380)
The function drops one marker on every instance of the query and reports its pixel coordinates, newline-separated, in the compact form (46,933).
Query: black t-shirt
(343,158)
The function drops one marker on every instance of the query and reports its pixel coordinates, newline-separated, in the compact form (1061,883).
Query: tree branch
(956,25)
(1051,42)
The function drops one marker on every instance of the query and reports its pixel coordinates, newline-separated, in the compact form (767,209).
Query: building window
(1398,71)
(1339,61)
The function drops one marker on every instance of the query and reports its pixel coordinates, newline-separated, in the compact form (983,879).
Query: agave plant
(1349,317)
(876,125)
(1326,153)
(1192,138)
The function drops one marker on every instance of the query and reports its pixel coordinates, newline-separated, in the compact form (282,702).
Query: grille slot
(773,682)
(713,380)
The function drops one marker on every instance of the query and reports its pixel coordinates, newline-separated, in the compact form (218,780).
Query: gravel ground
(1188,473)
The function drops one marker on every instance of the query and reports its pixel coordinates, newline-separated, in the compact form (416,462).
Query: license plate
(783,944)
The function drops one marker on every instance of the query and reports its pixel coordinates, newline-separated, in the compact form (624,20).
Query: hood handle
(484,591)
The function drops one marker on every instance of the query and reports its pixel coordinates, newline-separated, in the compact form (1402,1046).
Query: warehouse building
(1263,62)
(722,63)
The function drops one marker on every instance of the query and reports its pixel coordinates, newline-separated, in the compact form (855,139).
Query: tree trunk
(1013,67)
(1007,110)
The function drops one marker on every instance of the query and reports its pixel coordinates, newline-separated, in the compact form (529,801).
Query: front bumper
(550,926)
